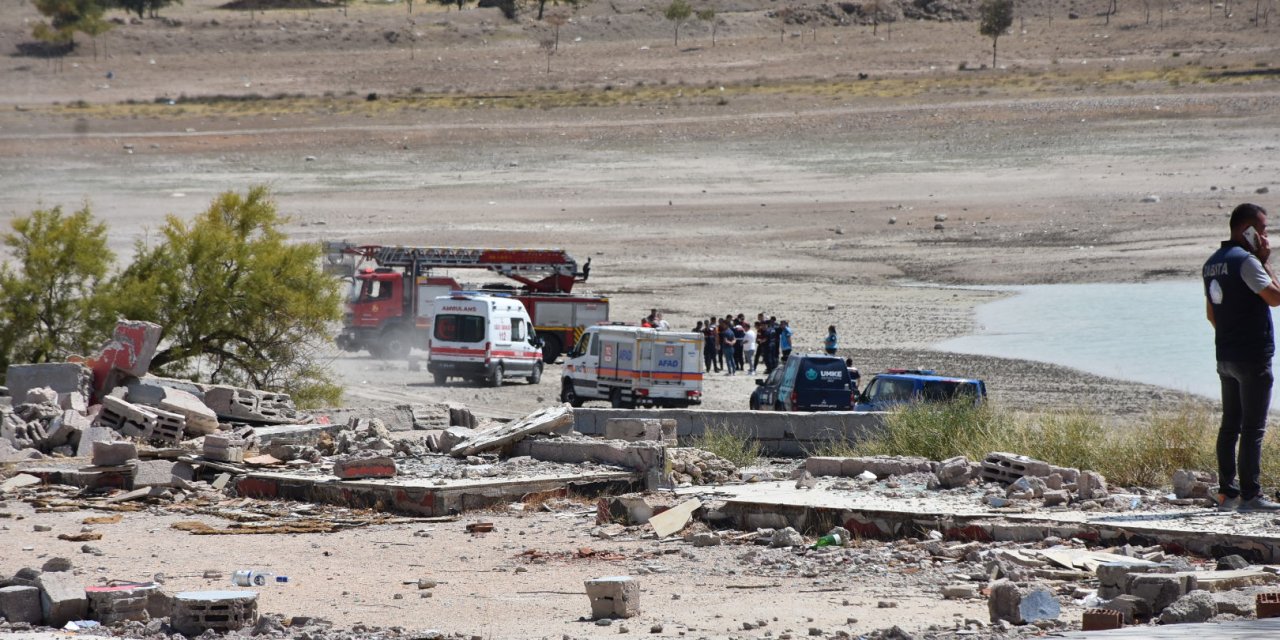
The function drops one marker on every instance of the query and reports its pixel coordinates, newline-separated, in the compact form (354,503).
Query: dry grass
(1143,453)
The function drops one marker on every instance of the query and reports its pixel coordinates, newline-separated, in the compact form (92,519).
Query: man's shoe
(1259,504)
(1226,504)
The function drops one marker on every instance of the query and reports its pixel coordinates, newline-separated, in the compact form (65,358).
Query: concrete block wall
(780,434)
(195,612)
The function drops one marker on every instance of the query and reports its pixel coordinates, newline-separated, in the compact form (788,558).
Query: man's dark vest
(1242,319)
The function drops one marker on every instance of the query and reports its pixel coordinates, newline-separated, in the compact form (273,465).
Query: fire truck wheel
(395,344)
(495,377)
(551,349)
(536,376)
(567,394)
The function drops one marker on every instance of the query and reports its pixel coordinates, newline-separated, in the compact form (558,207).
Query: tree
(93,27)
(996,17)
(548,46)
(239,305)
(709,15)
(54,305)
(144,8)
(65,18)
(678,12)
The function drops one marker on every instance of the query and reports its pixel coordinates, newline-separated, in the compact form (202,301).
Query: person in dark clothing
(710,345)
(739,348)
(1240,288)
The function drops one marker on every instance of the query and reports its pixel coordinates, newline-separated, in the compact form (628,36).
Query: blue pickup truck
(902,386)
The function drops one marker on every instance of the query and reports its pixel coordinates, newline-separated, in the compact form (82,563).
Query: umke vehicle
(806,382)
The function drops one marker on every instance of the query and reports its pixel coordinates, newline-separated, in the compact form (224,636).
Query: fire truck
(389,309)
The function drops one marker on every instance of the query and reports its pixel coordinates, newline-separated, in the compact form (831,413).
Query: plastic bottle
(830,540)
(251,578)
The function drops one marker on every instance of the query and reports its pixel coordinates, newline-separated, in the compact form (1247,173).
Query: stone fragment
(823,465)
(1056,497)
(91,435)
(1091,486)
(1039,603)
(200,420)
(1227,563)
(113,454)
(56,563)
(614,597)
(1197,606)
(454,436)
(954,472)
(705,539)
(62,598)
(1021,605)
(1188,484)
(21,604)
(1003,602)
(1157,590)
(787,537)
(961,591)
(1236,603)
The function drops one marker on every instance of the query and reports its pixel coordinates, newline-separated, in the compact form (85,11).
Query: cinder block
(823,465)
(62,377)
(614,597)
(224,448)
(195,612)
(125,418)
(1102,620)
(1008,467)
(112,454)
(169,427)
(1268,605)
(62,598)
(21,604)
(355,468)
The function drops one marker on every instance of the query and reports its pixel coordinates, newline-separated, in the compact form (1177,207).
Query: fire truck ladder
(556,269)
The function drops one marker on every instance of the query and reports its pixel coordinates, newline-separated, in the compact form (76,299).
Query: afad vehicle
(389,309)
(634,366)
(483,338)
(902,386)
(807,382)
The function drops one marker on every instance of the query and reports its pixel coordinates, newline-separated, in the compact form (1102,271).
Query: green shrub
(722,441)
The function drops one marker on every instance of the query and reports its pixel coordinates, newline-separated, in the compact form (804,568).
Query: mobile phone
(1251,238)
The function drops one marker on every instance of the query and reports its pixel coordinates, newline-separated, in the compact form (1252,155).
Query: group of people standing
(732,344)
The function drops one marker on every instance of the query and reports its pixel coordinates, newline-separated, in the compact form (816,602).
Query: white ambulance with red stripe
(485,338)
(634,366)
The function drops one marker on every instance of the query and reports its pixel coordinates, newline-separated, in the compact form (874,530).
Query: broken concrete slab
(364,466)
(1231,579)
(884,466)
(674,519)
(21,604)
(91,435)
(637,455)
(1197,606)
(654,429)
(19,481)
(249,405)
(10,454)
(116,604)
(65,378)
(62,598)
(543,421)
(614,597)
(200,419)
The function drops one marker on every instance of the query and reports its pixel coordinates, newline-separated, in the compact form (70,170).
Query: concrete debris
(1231,562)
(21,603)
(1197,606)
(1133,609)
(550,420)
(62,598)
(1021,605)
(692,466)
(1194,484)
(954,472)
(674,519)
(1008,467)
(195,612)
(614,597)
(364,465)
(1091,486)
(71,382)
(653,429)
(224,447)
(111,454)
(786,537)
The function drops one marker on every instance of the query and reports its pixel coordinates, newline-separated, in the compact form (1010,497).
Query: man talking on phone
(1240,288)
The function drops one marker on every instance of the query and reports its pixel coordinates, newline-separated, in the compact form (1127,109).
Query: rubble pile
(690,466)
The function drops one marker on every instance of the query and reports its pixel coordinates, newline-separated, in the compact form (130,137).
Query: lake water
(1154,333)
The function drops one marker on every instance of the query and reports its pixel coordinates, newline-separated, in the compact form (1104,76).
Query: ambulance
(633,366)
(484,338)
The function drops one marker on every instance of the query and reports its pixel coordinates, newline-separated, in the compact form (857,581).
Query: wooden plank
(674,519)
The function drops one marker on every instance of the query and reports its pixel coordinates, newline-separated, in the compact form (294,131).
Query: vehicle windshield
(353,291)
(453,327)
(824,373)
